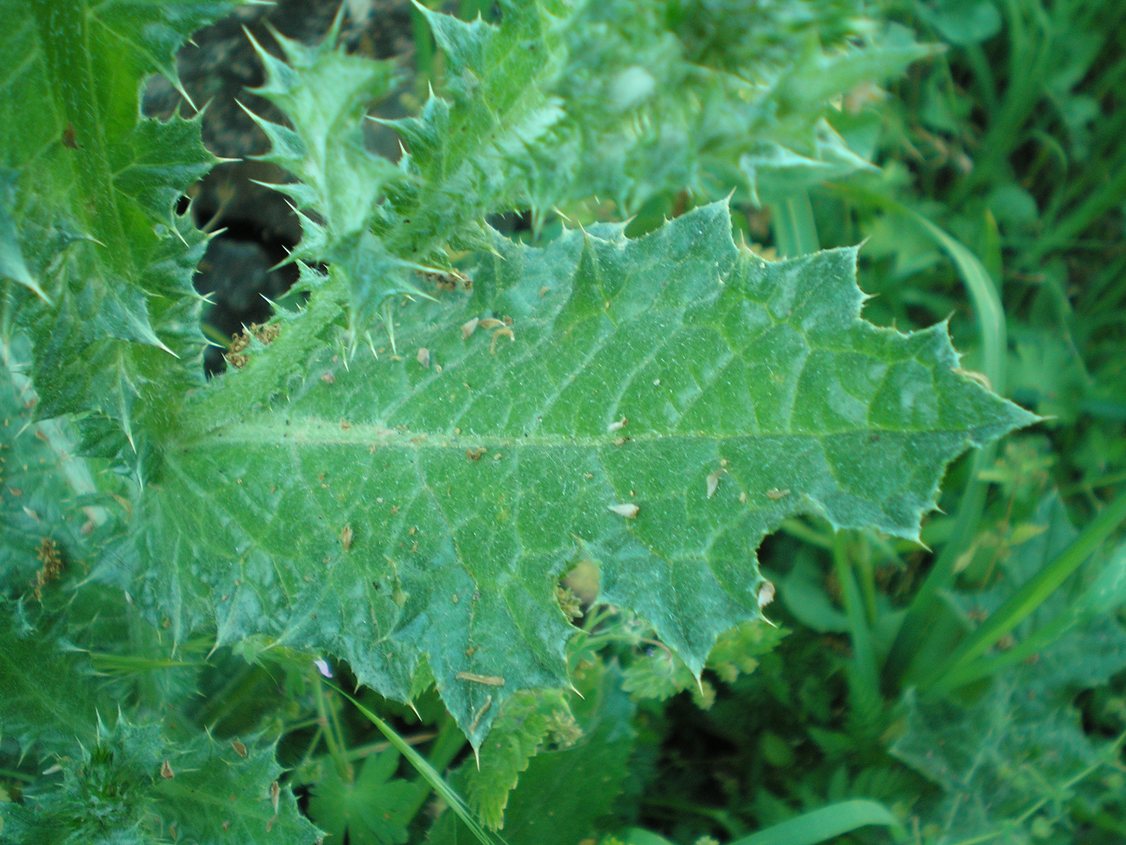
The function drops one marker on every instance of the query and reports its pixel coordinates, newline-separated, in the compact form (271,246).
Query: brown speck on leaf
(468,327)
(275,795)
(774,494)
(239,748)
(743,497)
(346,537)
(617,425)
(475,453)
(328,378)
(345,425)
(70,140)
(166,770)
(423,357)
(620,441)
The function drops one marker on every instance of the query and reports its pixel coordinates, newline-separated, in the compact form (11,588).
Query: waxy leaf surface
(655,406)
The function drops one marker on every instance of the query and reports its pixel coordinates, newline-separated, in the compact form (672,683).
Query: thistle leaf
(88,208)
(471,485)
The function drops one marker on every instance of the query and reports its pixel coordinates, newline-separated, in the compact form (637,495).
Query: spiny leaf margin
(467,480)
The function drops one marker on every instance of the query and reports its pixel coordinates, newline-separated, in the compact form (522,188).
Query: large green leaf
(421,507)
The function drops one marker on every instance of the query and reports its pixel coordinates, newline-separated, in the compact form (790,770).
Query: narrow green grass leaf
(428,773)
(1034,592)
(825,823)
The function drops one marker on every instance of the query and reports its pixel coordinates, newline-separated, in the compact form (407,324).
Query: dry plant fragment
(52,565)
(481,712)
(474,678)
(236,352)
(713,481)
(765,594)
(501,332)
(628,510)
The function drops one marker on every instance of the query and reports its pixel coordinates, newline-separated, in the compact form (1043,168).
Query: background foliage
(474,323)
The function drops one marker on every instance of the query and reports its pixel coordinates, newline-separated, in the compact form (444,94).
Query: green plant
(400,470)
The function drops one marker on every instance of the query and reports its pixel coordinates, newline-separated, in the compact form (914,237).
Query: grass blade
(1032,594)
(428,772)
(825,823)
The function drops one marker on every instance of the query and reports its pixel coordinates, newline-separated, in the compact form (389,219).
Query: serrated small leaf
(564,791)
(527,723)
(471,489)
(325,92)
